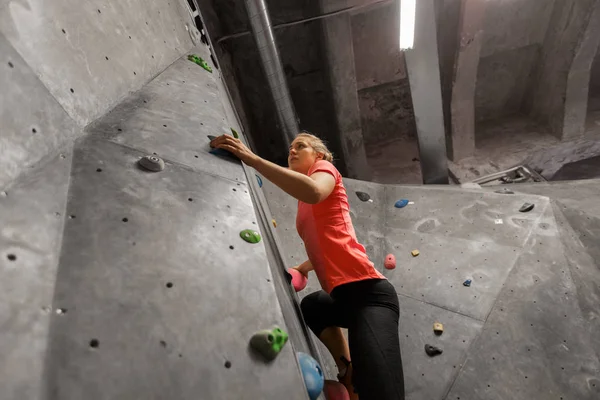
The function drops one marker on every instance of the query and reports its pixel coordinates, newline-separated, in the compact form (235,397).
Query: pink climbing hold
(390,261)
(298,280)
(335,391)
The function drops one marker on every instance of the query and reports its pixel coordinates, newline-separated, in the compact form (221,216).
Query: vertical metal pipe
(260,24)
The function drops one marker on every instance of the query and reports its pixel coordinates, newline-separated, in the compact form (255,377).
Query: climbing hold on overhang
(298,279)
(415,253)
(432,351)
(526,207)
(334,390)
(235,134)
(467,283)
(438,328)
(250,236)
(152,163)
(363,196)
(390,262)
(259,180)
(219,152)
(401,203)
(504,191)
(312,374)
(269,342)
(198,60)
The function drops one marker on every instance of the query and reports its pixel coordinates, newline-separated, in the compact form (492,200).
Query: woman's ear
(320,156)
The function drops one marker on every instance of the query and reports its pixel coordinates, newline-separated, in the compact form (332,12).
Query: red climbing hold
(390,261)
(335,391)
(298,280)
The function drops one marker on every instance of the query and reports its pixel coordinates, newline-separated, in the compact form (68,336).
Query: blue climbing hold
(401,203)
(259,180)
(467,283)
(312,374)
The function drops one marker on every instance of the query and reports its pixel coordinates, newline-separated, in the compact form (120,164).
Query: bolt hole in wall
(169,285)
(94,343)
(125,219)
(227,364)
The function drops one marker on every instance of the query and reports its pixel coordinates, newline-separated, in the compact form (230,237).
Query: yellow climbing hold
(274,223)
(438,328)
(415,253)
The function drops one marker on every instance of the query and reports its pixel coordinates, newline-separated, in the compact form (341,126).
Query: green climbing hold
(269,342)
(235,134)
(250,236)
(198,60)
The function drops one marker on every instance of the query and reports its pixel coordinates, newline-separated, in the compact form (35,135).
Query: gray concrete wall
(509,24)
(502,82)
(509,52)
(66,63)
(559,96)
(384,93)
(594,90)
(109,274)
(91,55)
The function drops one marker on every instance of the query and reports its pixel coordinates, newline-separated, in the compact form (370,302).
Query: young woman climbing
(355,295)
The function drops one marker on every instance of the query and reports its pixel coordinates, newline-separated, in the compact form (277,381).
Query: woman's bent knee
(314,310)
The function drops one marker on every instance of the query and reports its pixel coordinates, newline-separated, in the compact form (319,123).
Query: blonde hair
(317,144)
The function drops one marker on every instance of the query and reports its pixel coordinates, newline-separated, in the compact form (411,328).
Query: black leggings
(370,311)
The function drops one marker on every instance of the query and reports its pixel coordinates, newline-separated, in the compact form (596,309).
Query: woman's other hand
(299,269)
(236,147)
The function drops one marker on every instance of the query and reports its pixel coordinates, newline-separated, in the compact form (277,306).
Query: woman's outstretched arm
(308,189)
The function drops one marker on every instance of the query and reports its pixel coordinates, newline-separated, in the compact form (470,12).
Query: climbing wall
(118,282)
(525,327)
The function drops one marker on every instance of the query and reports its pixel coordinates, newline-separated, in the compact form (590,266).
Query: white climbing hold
(498,221)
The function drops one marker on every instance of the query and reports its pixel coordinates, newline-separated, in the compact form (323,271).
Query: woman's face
(302,156)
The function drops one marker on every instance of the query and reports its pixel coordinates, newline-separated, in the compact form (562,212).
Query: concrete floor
(500,145)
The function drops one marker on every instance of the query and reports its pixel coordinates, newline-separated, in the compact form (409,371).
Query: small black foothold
(526,207)
(432,351)
(363,196)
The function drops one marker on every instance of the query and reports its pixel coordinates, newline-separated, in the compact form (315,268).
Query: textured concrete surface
(33,124)
(374,27)
(134,272)
(502,144)
(460,77)
(32,215)
(182,103)
(422,65)
(338,48)
(503,79)
(505,335)
(132,233)
(508,24)
(584,169)
(132,41)
(534,344)
(559,93)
